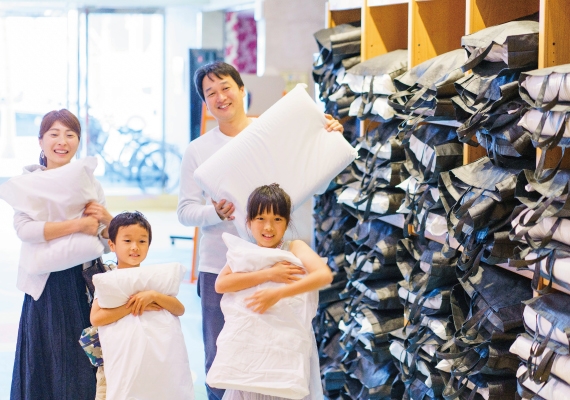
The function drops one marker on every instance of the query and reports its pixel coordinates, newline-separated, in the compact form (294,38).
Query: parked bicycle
(131,156)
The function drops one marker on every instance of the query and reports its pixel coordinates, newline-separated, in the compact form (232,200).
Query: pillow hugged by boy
(137,314)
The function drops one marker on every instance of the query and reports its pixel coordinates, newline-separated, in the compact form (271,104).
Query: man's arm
(192,210)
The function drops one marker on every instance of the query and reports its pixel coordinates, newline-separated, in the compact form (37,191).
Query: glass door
(123,101)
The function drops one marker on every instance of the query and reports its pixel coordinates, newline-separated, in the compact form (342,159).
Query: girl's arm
(140,301)
(281,272)
(319,275)
(105,316)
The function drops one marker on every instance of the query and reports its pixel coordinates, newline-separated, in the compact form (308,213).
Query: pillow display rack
(465,227)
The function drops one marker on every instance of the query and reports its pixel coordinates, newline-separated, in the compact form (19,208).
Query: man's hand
(224,209)
(262,300)
(140,301)
(285,272)
(333,124)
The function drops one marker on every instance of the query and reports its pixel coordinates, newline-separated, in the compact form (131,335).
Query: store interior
(446,236)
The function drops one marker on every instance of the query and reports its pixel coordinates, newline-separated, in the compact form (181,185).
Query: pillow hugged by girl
(267,348)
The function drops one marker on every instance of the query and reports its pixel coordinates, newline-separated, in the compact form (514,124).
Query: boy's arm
(142,300)
(282,272)
(105,316)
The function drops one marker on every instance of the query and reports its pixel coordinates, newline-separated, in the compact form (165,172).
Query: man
(220,86)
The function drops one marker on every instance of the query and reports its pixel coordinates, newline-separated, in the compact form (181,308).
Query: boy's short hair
(127,218)
(219,69)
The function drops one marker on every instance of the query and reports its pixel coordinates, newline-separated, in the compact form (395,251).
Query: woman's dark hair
(127,219)
(269,198)
(219,69)
(66,118)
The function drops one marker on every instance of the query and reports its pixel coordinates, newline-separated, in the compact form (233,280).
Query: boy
(130,236)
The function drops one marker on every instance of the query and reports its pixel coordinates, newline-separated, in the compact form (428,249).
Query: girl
(49,362)
(268,216)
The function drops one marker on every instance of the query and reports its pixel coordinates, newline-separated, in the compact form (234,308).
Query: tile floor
(164,224)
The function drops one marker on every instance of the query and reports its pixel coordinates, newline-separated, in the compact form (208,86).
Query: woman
(50,364)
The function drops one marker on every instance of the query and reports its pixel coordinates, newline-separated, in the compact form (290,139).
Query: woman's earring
(42,154)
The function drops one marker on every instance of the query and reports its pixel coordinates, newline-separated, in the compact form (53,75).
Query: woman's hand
(99,212)
(262,300)
(140,301)
(333,124)
(285,272)
(88,225)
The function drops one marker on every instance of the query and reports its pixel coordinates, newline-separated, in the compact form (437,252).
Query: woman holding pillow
(49,362)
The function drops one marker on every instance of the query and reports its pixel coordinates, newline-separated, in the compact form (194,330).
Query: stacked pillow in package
(488,102)
(339,50)
(372,82)
(544,349)
(424,92)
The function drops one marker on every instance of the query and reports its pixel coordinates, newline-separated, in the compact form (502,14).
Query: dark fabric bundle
(515,43)
(479,199)
(382,144)
(547,93)
(367,264)
(544,350)
(427,88)
(371,81)
(422,303)
(424,266)
(486,331)
(380,294)
(339,48)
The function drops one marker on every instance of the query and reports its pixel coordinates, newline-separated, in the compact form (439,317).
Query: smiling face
(59,144)
(131,245)
(224,98)
(268,229)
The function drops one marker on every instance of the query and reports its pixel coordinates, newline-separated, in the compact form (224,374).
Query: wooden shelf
(435,27)
(382,29)
(554,47)
(485,13)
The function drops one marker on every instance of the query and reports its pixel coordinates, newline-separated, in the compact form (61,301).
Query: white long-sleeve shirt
(31,231)
(195,207)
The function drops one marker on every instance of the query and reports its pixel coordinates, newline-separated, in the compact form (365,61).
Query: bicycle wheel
(160,170)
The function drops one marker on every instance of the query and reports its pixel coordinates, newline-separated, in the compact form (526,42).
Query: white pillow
(288,145)
(269,353)
(145,355)
(531,120)
(553,389)
(560,367)
(115,287)
(55,195)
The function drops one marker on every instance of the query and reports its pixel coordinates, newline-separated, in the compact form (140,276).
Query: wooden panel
(343,17)
(471,153)
(553,156)
(485,13)
(436,27)
(554,47)
(382,29)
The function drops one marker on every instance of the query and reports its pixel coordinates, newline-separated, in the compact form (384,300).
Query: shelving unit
(432,27)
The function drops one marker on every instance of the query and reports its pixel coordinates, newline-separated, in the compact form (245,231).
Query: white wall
(181,34)
(289,44)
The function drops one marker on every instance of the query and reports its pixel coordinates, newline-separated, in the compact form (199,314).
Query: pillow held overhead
(288,145)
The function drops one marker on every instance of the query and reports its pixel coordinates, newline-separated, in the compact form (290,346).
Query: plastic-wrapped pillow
(288,145)
(54,195)
(145,355)
(273,353)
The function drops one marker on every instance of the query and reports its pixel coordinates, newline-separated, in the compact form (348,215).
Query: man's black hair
(219,69)
(127,219)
